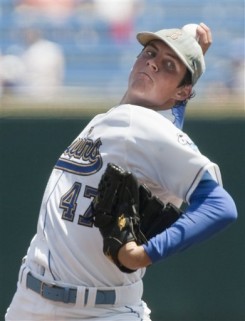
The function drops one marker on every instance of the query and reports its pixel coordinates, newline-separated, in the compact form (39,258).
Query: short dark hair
(187,79)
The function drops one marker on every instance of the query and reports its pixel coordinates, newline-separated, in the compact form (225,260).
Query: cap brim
(145,37)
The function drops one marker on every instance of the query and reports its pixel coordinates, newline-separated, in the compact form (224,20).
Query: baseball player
(65,274)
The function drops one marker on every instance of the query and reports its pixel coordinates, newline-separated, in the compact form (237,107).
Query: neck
(126,99)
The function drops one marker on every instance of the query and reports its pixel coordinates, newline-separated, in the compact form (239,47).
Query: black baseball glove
(155,216)
(124,212)
(116,211)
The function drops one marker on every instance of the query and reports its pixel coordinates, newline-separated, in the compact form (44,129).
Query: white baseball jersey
(138,139)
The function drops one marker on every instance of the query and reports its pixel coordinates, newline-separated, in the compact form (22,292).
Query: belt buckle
(49,285)
(41,288)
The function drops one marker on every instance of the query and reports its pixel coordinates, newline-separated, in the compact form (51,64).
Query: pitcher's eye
(169,65)
(148,53)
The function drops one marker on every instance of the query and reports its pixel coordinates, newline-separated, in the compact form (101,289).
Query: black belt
(66,295)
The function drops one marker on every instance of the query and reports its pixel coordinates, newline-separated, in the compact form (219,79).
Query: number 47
(68,203)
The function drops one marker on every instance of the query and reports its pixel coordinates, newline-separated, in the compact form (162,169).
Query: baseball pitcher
(114,202)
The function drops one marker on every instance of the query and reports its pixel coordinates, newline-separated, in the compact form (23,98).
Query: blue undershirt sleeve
(210,210)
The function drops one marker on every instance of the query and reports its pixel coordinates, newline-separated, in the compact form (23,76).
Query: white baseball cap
(183,44)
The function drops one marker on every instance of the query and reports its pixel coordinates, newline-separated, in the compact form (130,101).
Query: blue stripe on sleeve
(211,210)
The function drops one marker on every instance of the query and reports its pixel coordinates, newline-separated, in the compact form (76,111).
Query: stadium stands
(94,60)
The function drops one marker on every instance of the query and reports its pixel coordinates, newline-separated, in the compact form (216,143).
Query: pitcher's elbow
(230,209)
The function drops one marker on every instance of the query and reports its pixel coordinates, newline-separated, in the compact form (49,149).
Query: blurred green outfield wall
(205,283)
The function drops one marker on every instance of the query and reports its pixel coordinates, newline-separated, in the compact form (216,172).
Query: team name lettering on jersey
(82,157)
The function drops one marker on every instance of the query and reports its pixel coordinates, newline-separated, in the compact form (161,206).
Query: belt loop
(24,270)
(91,297)
(81,299)
(21,273)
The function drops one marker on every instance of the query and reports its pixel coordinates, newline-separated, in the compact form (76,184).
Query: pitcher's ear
(183,92)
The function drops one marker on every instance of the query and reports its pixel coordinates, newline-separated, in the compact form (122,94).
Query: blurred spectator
(120,15)
(55,10)
(237,82)
(11,72)
(1,80)
(44,64)
(87,25)
(37,71)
